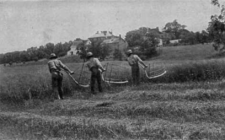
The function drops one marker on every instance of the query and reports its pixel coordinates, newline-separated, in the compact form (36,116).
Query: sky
(25,24)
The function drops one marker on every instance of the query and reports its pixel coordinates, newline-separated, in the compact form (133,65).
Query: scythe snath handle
(106,69)
(81,72)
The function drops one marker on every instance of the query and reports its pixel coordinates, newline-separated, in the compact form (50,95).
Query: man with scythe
(133,61)
(96,68)
(55,67)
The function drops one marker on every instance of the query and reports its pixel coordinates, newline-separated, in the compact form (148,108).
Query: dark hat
(129,52)
(89,54)
(53,55)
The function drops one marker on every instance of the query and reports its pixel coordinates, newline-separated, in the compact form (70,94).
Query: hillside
(189,52)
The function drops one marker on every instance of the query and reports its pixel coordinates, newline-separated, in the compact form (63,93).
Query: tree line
(143,41)
(35,53)
(174,30)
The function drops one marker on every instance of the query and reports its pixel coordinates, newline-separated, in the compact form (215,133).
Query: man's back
(93,62)
(133,60)
(55,64)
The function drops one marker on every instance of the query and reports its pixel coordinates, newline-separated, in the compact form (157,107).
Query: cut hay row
(197,94)
(179,111)
(30,126)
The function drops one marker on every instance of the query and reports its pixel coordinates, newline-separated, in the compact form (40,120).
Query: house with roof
(100,36)
(105,37)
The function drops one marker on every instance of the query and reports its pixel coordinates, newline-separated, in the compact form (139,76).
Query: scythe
(77,83)
(155,76)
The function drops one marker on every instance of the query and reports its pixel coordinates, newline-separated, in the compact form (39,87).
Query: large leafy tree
(82,50)
(24,56)
(174,28)
(216,27)
(32,52)
(97,47)
(105,50)
(134,38)
(100,49)
(145,39)
(117,55)
(166,37)
(148,46)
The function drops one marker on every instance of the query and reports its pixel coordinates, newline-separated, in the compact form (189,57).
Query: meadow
(187,103)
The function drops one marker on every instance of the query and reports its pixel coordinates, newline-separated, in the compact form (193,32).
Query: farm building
(106,37)
(116,42)
(100,36)
(175,41)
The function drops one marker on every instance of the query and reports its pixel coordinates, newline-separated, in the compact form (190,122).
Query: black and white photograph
(112,69)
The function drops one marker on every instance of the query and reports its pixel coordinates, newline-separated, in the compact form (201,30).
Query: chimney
(104,32)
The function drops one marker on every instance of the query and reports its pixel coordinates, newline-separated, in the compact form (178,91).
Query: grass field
(193,52)
(186,104)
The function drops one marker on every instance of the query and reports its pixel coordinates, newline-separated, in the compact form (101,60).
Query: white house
(175,41)
(160,42)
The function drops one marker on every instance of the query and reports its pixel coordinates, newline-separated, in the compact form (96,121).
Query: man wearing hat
(55,67)
(133,61)
(96,68)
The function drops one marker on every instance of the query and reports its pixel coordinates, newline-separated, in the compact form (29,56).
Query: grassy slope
(150,111)
(194,52)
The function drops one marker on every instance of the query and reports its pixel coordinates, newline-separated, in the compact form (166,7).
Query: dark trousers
(57,79)
(95,76)
(135,74)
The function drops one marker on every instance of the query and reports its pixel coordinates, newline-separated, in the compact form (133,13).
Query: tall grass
(34,82)
(28,82)
(195,71)
(21,83)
